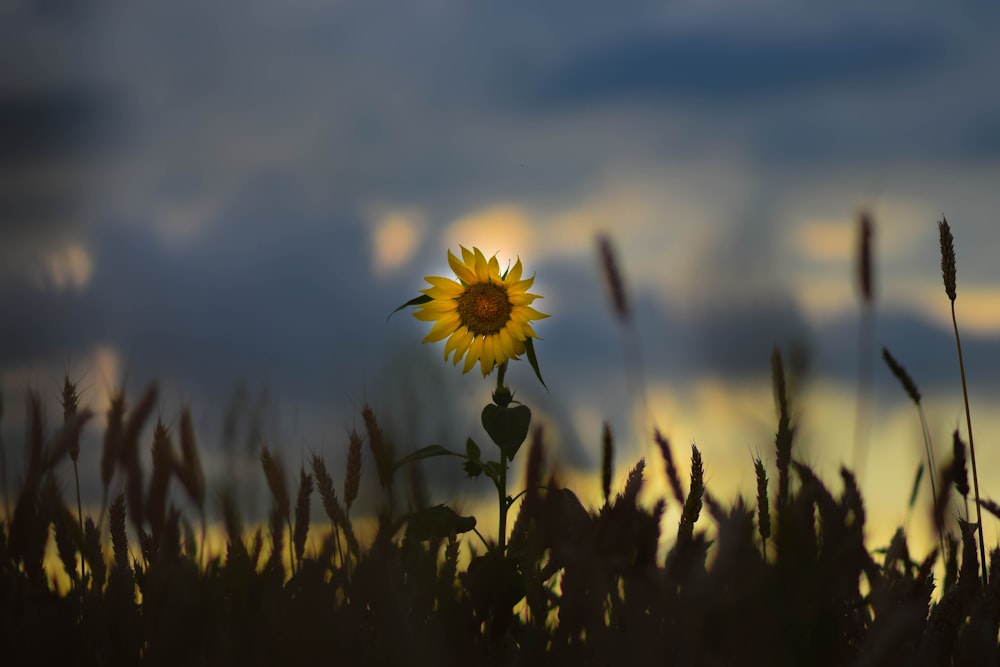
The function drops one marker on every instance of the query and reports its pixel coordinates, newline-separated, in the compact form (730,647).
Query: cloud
(924,346)
(57,123)
(723,65)
(235,225)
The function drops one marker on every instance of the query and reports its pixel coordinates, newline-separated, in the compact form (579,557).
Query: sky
(229,198)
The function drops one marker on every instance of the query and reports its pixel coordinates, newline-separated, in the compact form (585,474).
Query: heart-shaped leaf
(507,426)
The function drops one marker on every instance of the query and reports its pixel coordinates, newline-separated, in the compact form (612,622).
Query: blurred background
(229,198)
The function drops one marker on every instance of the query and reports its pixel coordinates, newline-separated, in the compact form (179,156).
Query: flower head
(485,315)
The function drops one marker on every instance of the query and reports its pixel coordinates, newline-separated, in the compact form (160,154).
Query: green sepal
(473,469)
(473,462)
(529,348)
(437,523)
(425,453)
(415,301)
(508,427)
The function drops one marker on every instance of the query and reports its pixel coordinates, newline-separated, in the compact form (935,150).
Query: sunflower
(485,315)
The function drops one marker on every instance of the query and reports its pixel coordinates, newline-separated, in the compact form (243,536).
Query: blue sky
(223,195)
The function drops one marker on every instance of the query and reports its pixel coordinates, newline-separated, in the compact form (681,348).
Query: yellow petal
(440,305)
(515,329)
(521,299)
(518,347)
(451,343)
(525,313)
(468,256)
(514,274)
(488,353)
(520,285)
(464,273)
(494,266)
(485,365)
(426,316)
(442,329)
(459,343)
(507,344)
(482,268)
(475,351)
(440,294)
(444,286)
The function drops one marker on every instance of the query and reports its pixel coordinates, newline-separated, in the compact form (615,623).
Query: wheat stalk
(668,459)
(334,511)
(128,454)
(960,470)
(352,478)
(119,539)
(70,401)
(692,506)
(607,460)
(763,509)
(632,349)
(949,274)
(381,450)
(274,473)
(301,516)
(910,387)
(613,279)
(3,467)
(112,443)
(190,473)
(866,333)
(163,466)
(783,438)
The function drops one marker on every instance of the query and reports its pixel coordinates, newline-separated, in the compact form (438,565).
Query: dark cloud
(284,126)
(718,67)
(925,348)
(980,138)
(52,124)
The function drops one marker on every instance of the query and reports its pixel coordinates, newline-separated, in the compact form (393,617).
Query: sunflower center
(484,308)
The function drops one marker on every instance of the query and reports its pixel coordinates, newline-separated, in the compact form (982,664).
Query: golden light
(69,267)
(503,229)
(396,236)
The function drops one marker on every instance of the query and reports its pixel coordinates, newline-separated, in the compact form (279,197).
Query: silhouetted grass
(780,580)
(588,583)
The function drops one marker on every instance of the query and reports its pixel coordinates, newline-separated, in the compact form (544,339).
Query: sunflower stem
(502,488)
(502,484)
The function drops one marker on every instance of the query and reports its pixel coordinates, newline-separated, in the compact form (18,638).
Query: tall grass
(588,582)
(866,339)
(785,578)
(949,274)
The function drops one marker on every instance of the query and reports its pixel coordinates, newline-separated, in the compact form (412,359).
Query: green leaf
(437,523)
(529,348)
(494,582)
(472,450)
(415,301)
(507,426)
(425,453)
